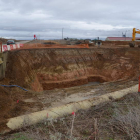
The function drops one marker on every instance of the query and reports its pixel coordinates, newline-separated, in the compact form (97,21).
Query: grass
(19,136)
(127,122)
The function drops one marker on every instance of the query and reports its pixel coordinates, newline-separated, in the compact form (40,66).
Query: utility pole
(39,39)
(62,33)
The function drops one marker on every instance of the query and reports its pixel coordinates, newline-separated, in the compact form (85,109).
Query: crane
(135,31)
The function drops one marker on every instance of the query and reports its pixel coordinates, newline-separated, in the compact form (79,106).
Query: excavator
(135,31)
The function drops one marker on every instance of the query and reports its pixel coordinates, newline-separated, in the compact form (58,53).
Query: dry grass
(127,121)
(119,120)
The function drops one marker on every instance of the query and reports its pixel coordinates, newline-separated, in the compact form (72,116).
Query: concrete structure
(98,42)
(121,38)
(3,60)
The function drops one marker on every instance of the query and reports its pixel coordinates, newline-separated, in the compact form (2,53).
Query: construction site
(54,79)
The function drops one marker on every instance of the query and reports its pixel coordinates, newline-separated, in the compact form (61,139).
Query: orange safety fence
(31,46)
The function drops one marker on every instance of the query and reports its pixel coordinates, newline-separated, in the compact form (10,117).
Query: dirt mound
(118,42)
(12,102)
(42,42)
(50,42)
(4,41)
(57,46)
(6,103)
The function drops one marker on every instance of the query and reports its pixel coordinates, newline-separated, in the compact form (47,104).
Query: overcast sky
(21,19)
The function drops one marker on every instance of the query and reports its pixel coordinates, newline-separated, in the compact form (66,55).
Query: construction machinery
(135,31)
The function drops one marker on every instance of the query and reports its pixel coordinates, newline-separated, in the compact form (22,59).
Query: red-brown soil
(37,45)
(44,68)
(11,104)
(114,43)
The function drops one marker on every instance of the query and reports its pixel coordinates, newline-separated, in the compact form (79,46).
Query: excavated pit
(46,71)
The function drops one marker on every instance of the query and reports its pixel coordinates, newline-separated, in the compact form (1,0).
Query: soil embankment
(11,104)
(46,69)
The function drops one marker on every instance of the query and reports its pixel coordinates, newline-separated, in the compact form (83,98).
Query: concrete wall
(3,60)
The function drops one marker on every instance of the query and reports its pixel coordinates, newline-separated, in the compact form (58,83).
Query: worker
(34,36)
(99,43)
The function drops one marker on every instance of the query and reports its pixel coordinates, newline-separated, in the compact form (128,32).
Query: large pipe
(33,118)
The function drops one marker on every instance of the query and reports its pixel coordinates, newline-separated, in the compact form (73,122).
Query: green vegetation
(19,136)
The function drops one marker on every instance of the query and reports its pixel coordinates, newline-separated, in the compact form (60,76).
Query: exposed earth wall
(46,69)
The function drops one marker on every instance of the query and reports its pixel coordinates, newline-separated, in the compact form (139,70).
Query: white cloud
(96,26)
(79,18)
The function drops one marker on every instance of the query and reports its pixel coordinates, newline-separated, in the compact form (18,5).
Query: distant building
(88,39)
(121,38)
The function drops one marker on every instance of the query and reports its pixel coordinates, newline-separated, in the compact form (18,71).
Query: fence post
(1,47)
(139,85)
